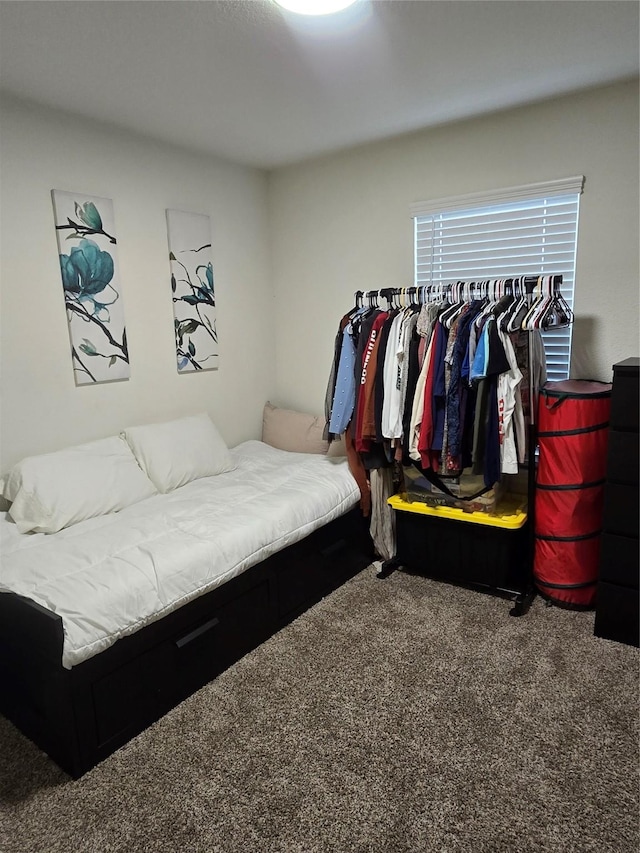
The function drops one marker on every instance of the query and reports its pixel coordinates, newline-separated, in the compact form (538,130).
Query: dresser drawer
(619,560)
(624,401)
(617,611)
(623,457)
(621,509)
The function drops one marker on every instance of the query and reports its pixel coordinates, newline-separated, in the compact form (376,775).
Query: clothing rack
(536,304)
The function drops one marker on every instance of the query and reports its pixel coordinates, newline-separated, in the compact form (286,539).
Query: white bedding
(110,576)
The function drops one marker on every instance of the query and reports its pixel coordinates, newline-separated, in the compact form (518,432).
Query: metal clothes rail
(467,291)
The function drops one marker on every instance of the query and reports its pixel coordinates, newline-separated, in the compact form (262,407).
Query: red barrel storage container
(573,429)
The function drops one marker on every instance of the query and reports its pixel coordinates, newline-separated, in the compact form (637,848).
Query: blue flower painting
(192,292)
(91,286)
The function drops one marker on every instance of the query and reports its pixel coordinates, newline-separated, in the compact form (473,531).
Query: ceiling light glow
(315,7)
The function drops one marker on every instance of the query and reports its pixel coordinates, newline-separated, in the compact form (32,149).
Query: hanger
(450,314)
(549,308)
(536,303)
(434,293)
(565,314)
(511,289)
(514,318)
(414,301)
(484,312)
(555,314)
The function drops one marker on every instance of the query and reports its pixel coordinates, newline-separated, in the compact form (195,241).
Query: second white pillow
(176,452)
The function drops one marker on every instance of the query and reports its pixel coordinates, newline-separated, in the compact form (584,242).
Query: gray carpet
(396,715)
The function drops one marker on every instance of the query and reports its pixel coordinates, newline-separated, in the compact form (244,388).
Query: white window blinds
(526,230)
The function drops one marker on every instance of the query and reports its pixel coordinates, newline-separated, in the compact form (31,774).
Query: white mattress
(110,576)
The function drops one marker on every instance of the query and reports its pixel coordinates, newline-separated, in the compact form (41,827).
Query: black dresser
(617,600)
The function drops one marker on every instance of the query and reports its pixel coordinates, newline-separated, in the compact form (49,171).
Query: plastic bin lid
(510,514)
(575,388)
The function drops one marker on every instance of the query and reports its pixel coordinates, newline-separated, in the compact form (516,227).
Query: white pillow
(176,452)
(59,489)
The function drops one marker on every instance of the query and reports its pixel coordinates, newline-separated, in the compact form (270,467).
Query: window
(526,230)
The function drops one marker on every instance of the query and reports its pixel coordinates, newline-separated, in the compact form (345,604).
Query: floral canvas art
(194,304)
(87,247)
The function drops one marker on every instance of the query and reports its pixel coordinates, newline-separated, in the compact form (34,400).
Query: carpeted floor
(397,715)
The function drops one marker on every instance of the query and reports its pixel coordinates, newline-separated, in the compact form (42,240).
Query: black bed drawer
(299,580)
(245,622)
(220,638)
(309,573)
(147,686)
(137,690)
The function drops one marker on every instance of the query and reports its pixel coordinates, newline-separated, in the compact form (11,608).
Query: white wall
(341,223)
(41,408)
(289,252)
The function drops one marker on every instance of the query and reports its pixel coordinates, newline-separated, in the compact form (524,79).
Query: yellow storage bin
(510,513)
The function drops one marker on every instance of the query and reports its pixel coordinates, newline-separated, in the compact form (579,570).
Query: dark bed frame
(82,715)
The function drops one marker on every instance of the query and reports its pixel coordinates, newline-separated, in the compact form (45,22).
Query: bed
(109,622)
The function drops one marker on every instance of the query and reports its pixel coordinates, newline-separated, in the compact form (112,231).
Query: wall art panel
(194,304)
(87,246)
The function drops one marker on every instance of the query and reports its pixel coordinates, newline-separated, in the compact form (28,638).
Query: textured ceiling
(253,83)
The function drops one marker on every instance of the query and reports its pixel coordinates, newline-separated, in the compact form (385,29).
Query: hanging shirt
(439,400)
(409,374)
(509,409)
(367,378)
(529,349)
(481,419)
(492,435)
(331,385)
(363,331)
(456,396)
(368,425)
(497,363)
(447,464)
(391,422)
(530,353)
(345,387)
(378,398)
(417,411)
(426,321)
(412,385)
(474,334)
(427,452)
(479,361)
